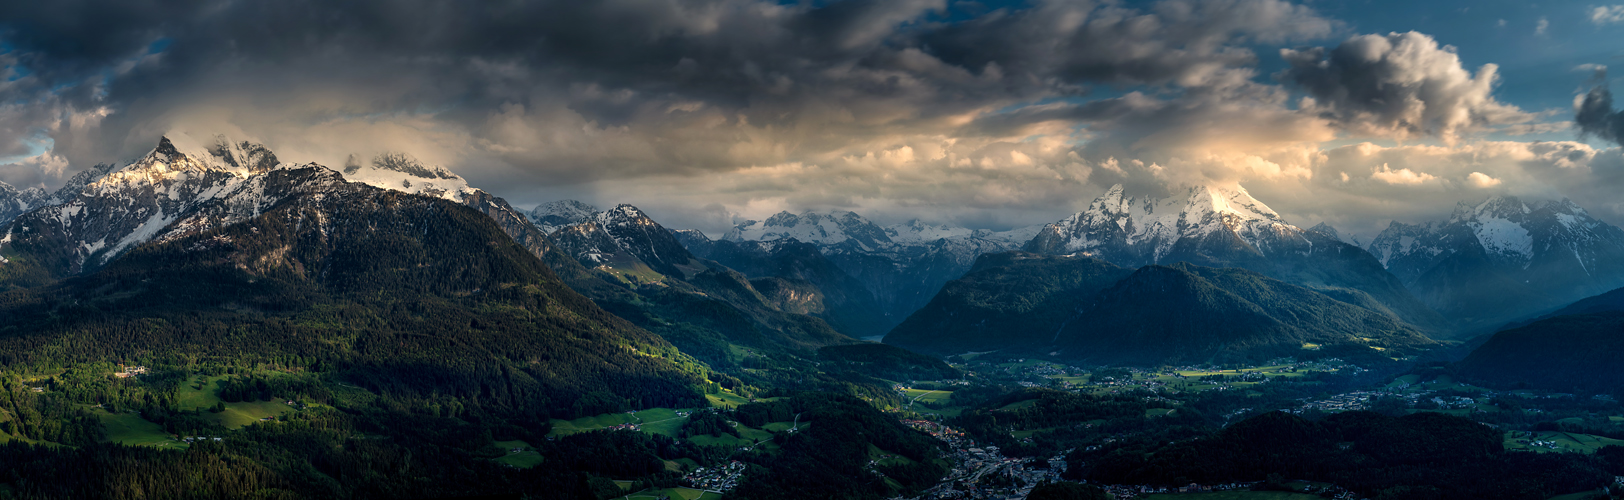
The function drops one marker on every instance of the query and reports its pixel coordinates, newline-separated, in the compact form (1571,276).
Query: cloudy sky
(985,114)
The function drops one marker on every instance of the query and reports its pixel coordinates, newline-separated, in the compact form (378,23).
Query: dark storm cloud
(869,66)
(1399,84)
(1595,115)
(923,107)
(1175,41)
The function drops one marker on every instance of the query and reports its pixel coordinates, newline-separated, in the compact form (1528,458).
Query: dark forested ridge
(1083,309)
(1223,314)
(410,296)
(1422,456)
(1574,353)
(1007,299)
(796,275)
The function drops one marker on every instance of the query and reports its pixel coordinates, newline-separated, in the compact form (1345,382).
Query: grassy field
(886,457)
(1562,442)
(239,415)
(1019,404)
(1028,433)
(592,423)
(1236,495)
(199,393)
(655,420)
(661,421)
(726,400)
(681,464)
(1583,495)
(673,494)
(131,430)
(776,427)
(924,396)
(523,460)
(7,439)
(748,436)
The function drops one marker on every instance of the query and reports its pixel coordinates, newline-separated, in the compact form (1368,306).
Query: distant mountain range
(1504,259)
(634,266)
(902,265)
(1239,271)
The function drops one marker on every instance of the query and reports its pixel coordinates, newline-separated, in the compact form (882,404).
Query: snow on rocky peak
(1498,223)
(403,172)
(1513,233)
(848,232)
(1130,228)
(15,202)
(105,210)
(555,215)
(915,231)
(1326,229)
(843,228)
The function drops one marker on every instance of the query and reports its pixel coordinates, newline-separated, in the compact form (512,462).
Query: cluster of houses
(194,439)
(130,371)
(1347,401)
(936,430)
(973,466)
(719,479)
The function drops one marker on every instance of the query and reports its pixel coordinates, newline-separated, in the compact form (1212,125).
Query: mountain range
(901,266)
(800,282)
(636,267)
(1226,227)
(1504,259)
(222,252)
(186,186)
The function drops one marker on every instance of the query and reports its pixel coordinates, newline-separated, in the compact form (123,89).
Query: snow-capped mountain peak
(15,202)
(846,228)
(403,172)
(1145,229)
(552,216)
(1506,229)
(915,231)
(1327,230)
(1234,201)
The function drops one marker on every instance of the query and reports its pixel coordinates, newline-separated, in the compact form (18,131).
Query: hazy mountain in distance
(902,265)
(1504,259)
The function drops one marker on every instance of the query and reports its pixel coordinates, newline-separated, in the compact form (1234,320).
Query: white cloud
(1607,14)
(1482,180)
(1403,176)
(1541,26)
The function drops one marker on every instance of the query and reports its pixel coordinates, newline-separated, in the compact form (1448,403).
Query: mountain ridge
(1227,227)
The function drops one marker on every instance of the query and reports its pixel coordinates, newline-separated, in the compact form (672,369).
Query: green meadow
(1562,442)
(131,430)
(524,459)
